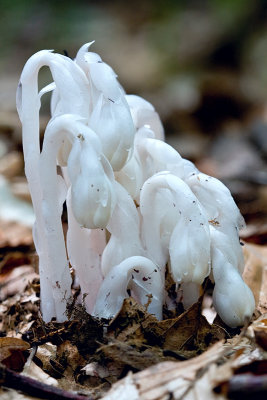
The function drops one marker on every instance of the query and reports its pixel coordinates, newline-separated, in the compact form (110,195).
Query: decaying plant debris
(134,355)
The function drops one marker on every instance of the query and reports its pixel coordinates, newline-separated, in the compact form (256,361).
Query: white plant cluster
(104,154)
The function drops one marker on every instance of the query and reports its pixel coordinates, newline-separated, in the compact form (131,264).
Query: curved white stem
(137,273)
(53,194)
(28,104)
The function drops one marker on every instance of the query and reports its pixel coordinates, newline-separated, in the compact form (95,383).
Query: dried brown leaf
(11,164)
(13,234)
(259,329)
(165,380)
(16,280)
(190,331)
(255,273)
(11,352)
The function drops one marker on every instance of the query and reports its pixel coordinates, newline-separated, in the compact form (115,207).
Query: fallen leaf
(95,369)
(181,332)
(259,328)
(45,353)
(12,208)
(14,234)
(33,371)
(9,345)
(165,380)
(255,273)
(11,352)
(11,164)
(16,280)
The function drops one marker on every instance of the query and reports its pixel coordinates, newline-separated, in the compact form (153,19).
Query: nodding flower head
(150,156)
(113,123)
(93,195)
(232,298)
(102,78)
(216,199)
(179,232)
(110,115)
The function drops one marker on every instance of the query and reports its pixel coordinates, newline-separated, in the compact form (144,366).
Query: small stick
(244,386)
(13,380)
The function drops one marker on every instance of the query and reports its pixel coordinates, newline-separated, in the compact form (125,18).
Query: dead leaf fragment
(14,234)
(165,380)
(11,164)
(255,273)
(11,352)
(35,372)
(9,345)
(16,280)
(179,333)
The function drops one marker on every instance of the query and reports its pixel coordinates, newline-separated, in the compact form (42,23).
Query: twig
(13,380)
(244,386)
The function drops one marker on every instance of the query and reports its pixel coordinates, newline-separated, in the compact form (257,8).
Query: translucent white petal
(113,123)
(215,198)
(124,227)
(143,113)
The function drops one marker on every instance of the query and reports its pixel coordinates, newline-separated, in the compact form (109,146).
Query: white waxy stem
(46,292)
(92,192)
(144,113)
(174,224)
(232,298)
(135,273)
(124,226)
(190,293)
(28,105)
(150,156)
(85,247)
(52,197)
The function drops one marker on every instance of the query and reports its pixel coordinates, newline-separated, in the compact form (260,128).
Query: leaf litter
(133,355)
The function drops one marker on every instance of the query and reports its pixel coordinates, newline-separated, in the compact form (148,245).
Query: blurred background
(202,64)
